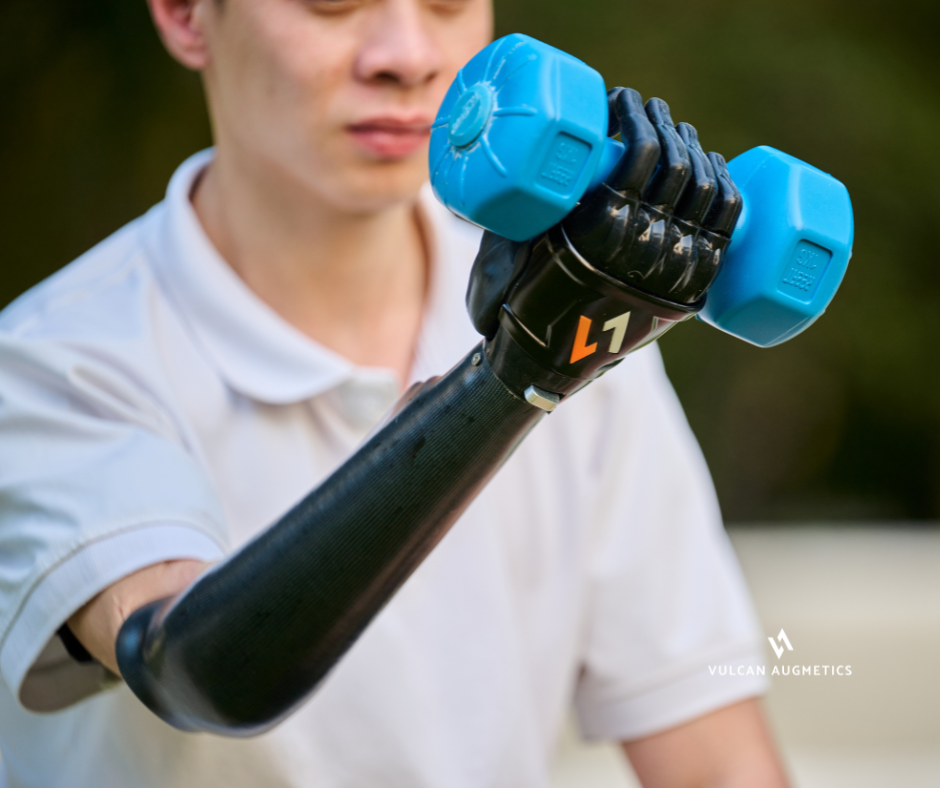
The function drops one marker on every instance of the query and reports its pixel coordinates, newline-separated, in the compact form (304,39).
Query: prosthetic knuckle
(657,267)
(603,227)
(620,227)
(710,255)
(644,236)
(681,256)
(707,261)
(652,237)
(691,263)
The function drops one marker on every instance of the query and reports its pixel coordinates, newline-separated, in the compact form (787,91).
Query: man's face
(335,97)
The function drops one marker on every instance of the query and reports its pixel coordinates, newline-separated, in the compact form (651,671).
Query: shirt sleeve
(671,632)
(95,483)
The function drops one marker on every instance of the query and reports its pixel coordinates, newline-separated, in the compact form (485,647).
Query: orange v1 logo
(582,349)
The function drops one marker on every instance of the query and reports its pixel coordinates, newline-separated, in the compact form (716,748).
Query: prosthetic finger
(697,249)
(675,167)
(726,208)
(497,263)
(613,118)
(702,187)
(642,146)
(251,639)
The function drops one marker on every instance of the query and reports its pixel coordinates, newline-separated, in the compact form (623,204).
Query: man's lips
(391,138)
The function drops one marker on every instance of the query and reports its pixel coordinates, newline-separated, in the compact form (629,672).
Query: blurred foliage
(842,422)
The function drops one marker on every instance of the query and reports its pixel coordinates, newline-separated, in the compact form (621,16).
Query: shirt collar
(256,351)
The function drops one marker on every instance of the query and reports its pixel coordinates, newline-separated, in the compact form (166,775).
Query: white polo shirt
(152,408)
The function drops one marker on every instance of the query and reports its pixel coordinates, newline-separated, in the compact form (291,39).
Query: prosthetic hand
(635,257)
(249,640)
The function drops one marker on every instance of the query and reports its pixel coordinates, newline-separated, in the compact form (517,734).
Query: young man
(171,394)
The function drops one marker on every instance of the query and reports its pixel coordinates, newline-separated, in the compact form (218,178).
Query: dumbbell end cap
(518,137)
(789,252)
(469,116)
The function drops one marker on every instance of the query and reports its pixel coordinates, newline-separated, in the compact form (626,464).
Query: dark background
(842,423)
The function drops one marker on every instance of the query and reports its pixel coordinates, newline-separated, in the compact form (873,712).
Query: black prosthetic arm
(251,638)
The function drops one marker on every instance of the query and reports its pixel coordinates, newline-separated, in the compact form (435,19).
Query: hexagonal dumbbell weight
(522,135)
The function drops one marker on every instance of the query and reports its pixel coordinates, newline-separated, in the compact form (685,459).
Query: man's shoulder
(99,336)
(100,288)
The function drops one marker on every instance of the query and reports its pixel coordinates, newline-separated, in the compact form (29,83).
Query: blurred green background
(842,423)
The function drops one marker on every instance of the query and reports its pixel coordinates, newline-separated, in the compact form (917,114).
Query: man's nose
(399,46)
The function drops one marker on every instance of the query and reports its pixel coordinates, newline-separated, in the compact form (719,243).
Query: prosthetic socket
(250,639)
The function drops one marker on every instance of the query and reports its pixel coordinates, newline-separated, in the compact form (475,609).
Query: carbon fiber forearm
(251,639)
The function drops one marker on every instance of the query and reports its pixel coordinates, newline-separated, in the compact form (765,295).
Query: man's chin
(383,185)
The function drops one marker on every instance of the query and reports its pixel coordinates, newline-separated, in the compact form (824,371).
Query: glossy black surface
(252,638)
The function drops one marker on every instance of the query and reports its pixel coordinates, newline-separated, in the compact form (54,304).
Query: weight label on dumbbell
(563,163)
(804,271)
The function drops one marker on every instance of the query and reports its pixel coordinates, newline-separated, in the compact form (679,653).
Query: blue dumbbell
(522,135)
